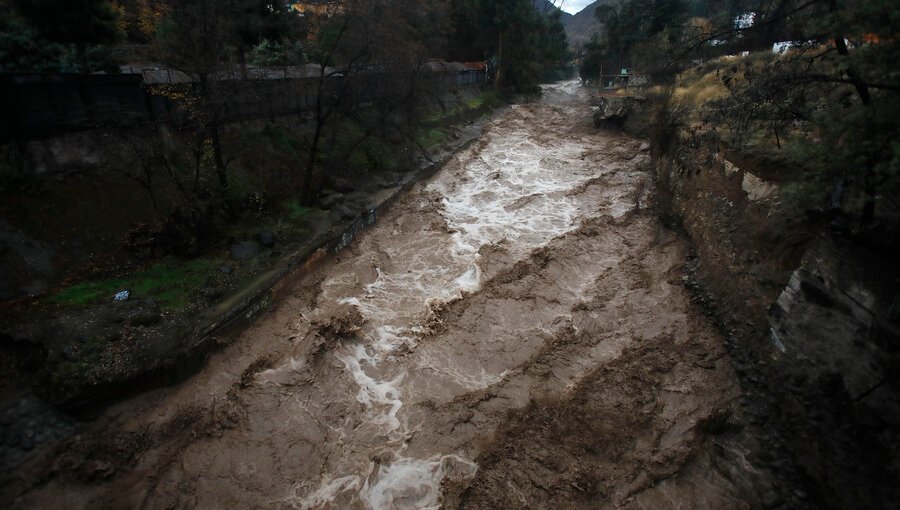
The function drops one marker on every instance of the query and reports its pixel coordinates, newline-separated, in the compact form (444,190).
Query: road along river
(512,334)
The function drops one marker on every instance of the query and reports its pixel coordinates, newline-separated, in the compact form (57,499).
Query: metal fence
(38,105)
(621,81)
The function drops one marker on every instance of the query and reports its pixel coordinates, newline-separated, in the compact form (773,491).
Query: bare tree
(370,57)
(195,39)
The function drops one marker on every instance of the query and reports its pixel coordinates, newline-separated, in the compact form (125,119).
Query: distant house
(474,73)
(458,74)
(744,21)
(783,46)
(871,39)
(317,7)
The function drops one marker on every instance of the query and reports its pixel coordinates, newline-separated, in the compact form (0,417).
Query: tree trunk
(242,61)
(499,59)
(868,212)
(198,158)
(217,157)
(321,117)
(81,51)
(861,87)
(306,197)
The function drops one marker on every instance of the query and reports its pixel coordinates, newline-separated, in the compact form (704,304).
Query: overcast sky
(573,6)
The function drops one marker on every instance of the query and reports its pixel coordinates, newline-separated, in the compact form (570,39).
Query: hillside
(547,6)
(581,26)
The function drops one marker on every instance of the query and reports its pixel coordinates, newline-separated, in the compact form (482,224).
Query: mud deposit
(513,334)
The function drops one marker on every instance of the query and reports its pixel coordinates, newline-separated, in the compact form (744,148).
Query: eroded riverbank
(513,333)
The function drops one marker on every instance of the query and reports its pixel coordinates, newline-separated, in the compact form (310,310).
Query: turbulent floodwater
(512,333)
(518,188)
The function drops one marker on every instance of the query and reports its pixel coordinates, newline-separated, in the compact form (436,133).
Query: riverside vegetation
(192,205)
(774,137)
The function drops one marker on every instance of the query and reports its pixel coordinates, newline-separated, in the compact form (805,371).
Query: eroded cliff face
(835,330)
(811,319)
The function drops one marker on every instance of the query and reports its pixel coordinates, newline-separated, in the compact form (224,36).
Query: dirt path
(514,333)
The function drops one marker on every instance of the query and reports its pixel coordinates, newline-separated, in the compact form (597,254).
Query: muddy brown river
(514,333)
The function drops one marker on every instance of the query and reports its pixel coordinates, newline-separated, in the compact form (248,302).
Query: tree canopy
(524,44)
(79,22)
(812,84)
(58,35)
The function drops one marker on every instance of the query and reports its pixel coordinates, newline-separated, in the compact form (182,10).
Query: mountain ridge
(547,6)
(582,25)
(579,26)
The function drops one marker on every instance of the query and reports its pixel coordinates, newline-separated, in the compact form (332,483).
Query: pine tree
(82,23)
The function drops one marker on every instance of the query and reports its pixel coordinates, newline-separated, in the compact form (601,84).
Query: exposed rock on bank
(835,329)
(811,318)
(622,111)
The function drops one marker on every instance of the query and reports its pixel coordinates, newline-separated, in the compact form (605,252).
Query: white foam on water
(470,281)
(352,301)
(412,483)
(514,190)
(382,397)
(389,338)
(283,374)
(329,490)
(377,285)
(400,297)
(469,377)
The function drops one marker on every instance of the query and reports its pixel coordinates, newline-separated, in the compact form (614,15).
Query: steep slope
(582,25)
(546,6)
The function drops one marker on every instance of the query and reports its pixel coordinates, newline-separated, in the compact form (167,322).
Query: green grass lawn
(295,211)
(172,283)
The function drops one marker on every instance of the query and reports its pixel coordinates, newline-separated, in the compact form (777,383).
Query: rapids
(512,333)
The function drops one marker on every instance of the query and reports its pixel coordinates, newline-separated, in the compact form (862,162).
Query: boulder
(339,184)
(69,353)
(212,292)
(390,179)
(266,239)
(610,109)
(147,314)
(343,212)
(243,251)
(622,112)
(834,316)
(329,200)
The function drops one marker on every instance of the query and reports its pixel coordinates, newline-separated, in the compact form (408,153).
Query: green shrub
(430,138)
(296,211)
